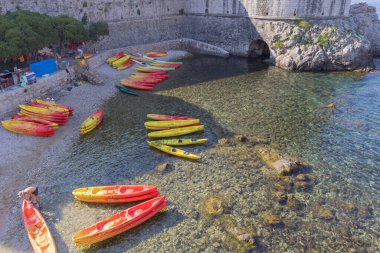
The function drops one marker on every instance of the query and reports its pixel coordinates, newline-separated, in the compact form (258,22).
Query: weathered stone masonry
(233,25)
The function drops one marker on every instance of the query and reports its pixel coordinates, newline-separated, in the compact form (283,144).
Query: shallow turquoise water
(286,110)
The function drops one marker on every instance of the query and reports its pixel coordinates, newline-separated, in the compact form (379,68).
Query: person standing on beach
(33,195)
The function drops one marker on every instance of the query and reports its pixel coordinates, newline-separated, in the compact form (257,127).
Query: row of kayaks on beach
(42,118)
(42,240)
(150,71)
(165,126)
(38,118)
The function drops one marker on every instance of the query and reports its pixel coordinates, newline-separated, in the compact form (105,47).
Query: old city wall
(229,24)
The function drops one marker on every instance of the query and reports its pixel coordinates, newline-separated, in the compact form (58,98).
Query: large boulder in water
(282,165)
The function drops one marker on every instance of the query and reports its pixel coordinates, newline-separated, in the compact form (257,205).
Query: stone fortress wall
(232,25)
(119,10)
(271,8)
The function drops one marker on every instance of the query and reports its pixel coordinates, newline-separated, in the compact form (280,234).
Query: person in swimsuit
(32,193)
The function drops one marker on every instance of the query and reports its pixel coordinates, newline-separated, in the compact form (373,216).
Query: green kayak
(125,90)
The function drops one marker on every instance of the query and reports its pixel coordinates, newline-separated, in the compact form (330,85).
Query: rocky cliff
(368,24)
(318,45)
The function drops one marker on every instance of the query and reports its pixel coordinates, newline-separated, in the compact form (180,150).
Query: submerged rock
(224,142)
(280,196)
(347,207)
(270,218)
(164,167)
(282,165)
(213,206)
(241,138)
(294,204)
(323,213)
(238,238)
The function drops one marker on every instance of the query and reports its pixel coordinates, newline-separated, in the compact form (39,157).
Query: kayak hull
(175,132)
(181,142)
(113,191)
(38,232)
(171,123)
(91,122)
(173,151)
(28,128)
(119,222)
(166,117)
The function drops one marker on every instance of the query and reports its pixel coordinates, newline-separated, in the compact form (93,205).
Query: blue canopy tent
(43,67)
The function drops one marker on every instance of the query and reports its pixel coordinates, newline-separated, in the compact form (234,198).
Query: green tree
(98,29)
(68,29)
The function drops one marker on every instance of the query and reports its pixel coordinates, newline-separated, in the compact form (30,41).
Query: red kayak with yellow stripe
(28,128)
(119,222)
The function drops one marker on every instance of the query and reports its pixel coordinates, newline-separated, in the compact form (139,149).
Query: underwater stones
(281,165)
(224,142)
(365,212)
(282,186)
(347,207)
(238,238)
(302,186)
(280,196)
(304,177)
(164,167)
(323,213)
(293,203)
(241,138)
(270,219)
(213,206)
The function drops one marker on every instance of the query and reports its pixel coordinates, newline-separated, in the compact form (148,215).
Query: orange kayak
(35,120)
(28,128)
(38,232)
(119,222)
(157,54)
(115,193)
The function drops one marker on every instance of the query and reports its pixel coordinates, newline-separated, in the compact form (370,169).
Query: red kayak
(167,117)
(28,128)
(120,222)
(35,120)
(154,71)
(38,232)
(59,121)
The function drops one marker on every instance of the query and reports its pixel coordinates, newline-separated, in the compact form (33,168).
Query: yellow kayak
(115,57)
(181,142)
(176,131)
(91,122)
(118,63)
(173,151)
(171,123)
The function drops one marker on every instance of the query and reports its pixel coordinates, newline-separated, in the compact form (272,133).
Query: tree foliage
(98,29)
(24,32)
